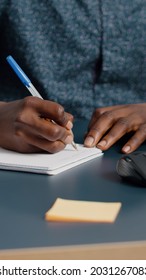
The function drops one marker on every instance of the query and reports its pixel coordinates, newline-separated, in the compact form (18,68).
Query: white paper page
(47,163)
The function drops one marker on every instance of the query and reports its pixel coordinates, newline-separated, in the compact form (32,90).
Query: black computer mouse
(132,167)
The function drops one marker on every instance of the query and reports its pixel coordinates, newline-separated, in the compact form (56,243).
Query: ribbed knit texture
(83,54)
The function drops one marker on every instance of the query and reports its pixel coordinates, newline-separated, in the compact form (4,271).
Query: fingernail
(68,139)
(69,125)
(126,149)
(89,141)
(102,143)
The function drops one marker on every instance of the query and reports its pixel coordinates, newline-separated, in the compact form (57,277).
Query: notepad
(65,210)
(45,163)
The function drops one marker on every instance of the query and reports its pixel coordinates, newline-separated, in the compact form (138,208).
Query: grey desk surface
(26,197)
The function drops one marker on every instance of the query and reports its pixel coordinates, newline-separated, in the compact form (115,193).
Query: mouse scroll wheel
(128,159)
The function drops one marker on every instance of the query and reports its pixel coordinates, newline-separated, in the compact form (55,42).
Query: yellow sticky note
(83,211)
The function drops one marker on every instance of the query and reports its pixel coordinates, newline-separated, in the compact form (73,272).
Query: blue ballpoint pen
(26,81)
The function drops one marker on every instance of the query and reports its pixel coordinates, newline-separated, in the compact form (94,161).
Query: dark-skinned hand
(26,126)
(109,124)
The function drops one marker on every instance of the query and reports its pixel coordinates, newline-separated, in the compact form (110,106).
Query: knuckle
(108,114)
(97,112)
(21,116)
(55,134)
(28,101)
(60,113)
(142,129)
(135,141)
(23,111)
(59,110)
(123,122)
(112,134)
(18,131)
(94,129)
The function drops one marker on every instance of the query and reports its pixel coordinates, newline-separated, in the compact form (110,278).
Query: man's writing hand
(26,126)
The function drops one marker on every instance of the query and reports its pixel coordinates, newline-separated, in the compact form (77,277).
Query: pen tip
(74,145)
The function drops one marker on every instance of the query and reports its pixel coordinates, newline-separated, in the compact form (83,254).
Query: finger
(57,114)
(33,143)
(97,131)
(53,132)
(50,147)
(42,127)
(121,127)
(136,140)
(98,112)
(65,138)
(70,118)
(47,109)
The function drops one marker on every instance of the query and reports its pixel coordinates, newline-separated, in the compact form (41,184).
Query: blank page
(47,163)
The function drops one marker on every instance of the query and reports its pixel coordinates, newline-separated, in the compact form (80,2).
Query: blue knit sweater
(83,54)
